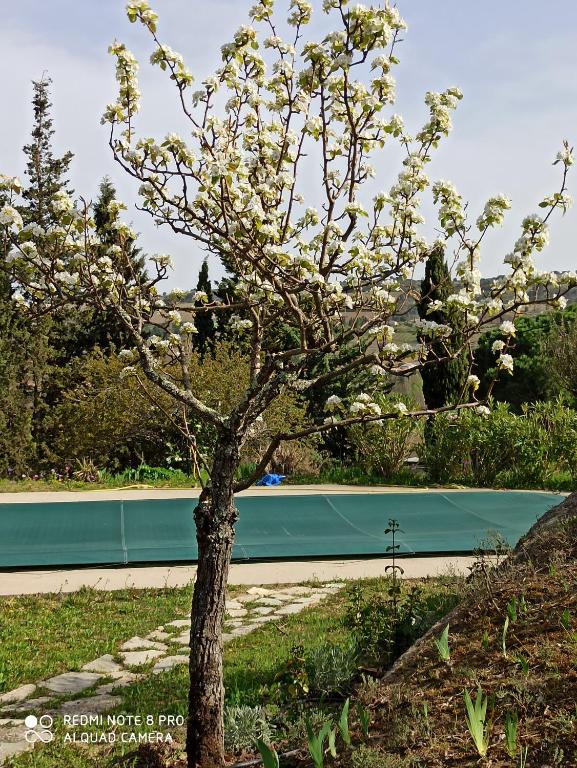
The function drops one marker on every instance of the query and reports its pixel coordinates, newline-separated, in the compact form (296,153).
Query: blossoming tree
(279,111)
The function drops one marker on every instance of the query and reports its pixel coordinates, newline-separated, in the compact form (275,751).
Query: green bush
(243,726)
(330,668)
(381,448)
(537,448)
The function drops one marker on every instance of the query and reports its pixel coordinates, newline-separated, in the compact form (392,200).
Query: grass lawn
(50,634)
(44,635)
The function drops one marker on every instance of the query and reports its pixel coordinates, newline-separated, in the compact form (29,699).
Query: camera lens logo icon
(39,729)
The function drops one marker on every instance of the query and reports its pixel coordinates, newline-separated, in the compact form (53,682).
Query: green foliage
(442,645)
(330,668)
(443,382)
(504,449)
(383,632)
(46,173)
(316,742)
(337,442)
(2,677)
(101,327)
(343,723)
(476,715)
(381,448)
(532,378)
(293,678)
(512,609)
(523,663)
(111,421)
(268,754)
(364,720)
(504,633)
(371,757)
(512,733)
(244,726)
(205,338)
(560,352)
(17,344)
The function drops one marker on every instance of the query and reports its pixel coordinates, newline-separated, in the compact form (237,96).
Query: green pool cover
(270,527)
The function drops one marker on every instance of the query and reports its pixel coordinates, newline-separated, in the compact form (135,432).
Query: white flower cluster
(128,103)
(494,212)
(364,404)
(505,362)
(451,213)
(434,330)
(10,184)
(474,382)
(9,217)
(140,9)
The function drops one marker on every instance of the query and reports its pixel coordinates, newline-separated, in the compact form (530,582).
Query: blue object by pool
(271,479)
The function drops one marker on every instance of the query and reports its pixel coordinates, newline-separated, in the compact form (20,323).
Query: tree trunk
(215,518)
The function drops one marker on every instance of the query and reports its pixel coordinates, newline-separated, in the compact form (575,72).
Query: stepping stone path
(163,649)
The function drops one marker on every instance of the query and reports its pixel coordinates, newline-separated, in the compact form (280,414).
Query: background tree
(52,336)
(560,350)
(16,444)
(205,324)
(315,113)
(445,380)
(46,173)
(542,348)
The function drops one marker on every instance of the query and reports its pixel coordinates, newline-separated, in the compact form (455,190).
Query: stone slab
(71,682)
(91,705)
(240,631)
(12,748)
(104,664)
(140,644)
(263,619)
(183,639)
(126,678)
(289,609)
(169,662)
(17,694)
(28,705)
(266,601)
(179,623)
(138,658)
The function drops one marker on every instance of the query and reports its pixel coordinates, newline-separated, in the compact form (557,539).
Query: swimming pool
(285,527)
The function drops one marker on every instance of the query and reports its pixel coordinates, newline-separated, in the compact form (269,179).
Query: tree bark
(215,519)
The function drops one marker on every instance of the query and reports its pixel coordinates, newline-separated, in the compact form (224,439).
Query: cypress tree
(204,321)
(46,173)
(443,383)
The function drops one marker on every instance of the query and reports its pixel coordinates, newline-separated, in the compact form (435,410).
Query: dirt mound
(514,635)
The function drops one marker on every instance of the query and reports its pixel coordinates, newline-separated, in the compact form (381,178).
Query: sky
(515,61)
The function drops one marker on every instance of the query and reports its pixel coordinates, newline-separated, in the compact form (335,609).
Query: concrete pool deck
(256,574)
(137,492)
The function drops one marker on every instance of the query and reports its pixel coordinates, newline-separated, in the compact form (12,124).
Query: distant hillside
(410,308)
